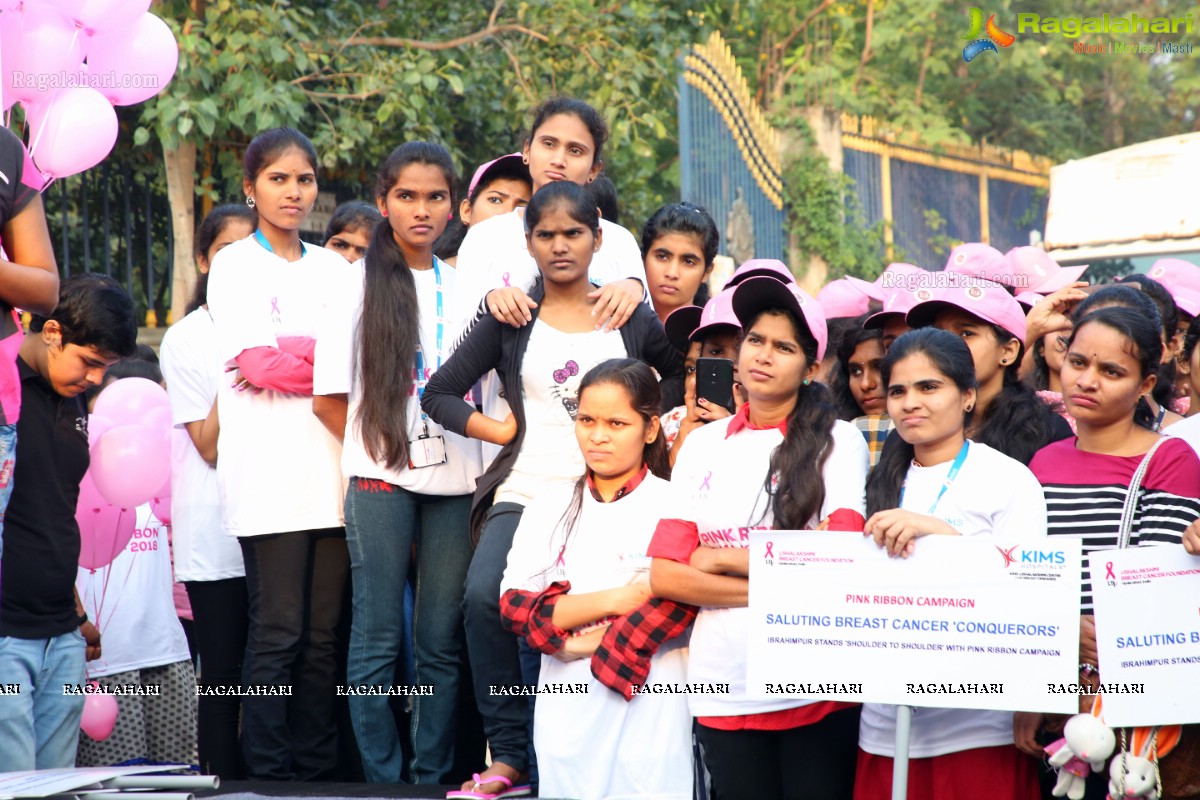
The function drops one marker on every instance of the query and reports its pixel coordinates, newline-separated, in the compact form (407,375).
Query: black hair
(212,227)
(94,311)
(683,218)
(951,357)
(1167,310)
(1144,303)
(794,482)
(571,196)
(142,364)
(352,215)
(604,194)
(590,118)
(1190,338)
(839,382)
(1039,378)
(1143,334)
(388,331)
(641,386)
(269,145)
(1017,422)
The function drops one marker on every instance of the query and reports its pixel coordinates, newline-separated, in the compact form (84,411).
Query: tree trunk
(180,165)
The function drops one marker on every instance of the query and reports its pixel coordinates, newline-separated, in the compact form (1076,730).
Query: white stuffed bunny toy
(1086,744)
(1131,776)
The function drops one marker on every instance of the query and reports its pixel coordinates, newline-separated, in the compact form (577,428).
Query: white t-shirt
(992,494)
(554,364)
(717,483)
(494,254)
(334,373)
(594,744)
(130,602)
(193,369)
(1187,429)
(277,467)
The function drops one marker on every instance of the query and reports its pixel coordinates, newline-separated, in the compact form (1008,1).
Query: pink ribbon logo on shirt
(561,562)
(1109,568)
(504,277)
(704,485)
(275,307)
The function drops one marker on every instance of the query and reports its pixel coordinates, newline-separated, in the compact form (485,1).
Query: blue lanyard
(258,235)
(954,468)
(437,276)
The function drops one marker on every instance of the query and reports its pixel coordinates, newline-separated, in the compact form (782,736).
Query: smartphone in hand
(714,381)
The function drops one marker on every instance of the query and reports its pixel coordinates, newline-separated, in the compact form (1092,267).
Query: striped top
(1085,492)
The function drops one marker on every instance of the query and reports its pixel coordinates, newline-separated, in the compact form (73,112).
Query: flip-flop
(477,794)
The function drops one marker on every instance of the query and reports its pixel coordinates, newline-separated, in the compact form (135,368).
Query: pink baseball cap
(899,275)
(1175,273)
(507,161)
(679,325)
(979,260)
(899,302)
(755,294)
(990,302)
(1029,299)
(1187,300)
(717,312)
(1035,271)
(756,267)
(845,298)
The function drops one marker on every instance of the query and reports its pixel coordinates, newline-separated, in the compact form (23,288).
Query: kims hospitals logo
(977,43)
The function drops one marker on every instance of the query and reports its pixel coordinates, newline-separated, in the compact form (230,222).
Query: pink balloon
(132,63)
(132,401)
(130,463)
(42,52)
(97,425)
(57,147)
(99,715)
(104,532)
(95,15)
(30,175)
(160,504)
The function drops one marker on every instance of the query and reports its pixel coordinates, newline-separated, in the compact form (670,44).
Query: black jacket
(496,345)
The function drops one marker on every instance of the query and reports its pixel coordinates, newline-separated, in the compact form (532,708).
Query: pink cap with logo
(756,294)
(717,311)
(483,170)
(758,267)
(898,303)
(980,260)
(845,298)
(1035,271)
(1187,300)
(1175,273)
(990,302)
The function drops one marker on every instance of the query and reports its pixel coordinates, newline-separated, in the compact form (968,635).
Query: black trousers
(221,616)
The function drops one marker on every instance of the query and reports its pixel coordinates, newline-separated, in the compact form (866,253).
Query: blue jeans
(383,523)
(8,457)
(39,724)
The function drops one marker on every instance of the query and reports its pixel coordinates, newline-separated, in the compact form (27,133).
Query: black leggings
(220,611)
(813,762)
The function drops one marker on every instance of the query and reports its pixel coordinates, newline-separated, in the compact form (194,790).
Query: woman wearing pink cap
(500,186)
(1009,416)
(783,461)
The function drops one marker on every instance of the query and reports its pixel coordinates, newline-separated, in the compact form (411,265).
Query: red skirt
(985,773)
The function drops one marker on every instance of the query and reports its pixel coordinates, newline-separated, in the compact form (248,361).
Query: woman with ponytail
(784,461)
(410,481)
(932,481)
(579,556)
(1009,416)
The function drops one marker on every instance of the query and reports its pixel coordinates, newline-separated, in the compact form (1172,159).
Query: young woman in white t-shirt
(783,461)
(593,536)
(410,480)
(207,560)
(932,481)
(540,365)
(278,467)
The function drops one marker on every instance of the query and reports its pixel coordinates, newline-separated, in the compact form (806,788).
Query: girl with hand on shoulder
(410,480)
(784,461)
(679,248)
(278,468)
(590,570)
(349,229)
(1112,361)
(207,561)
(932,481)
(540,366)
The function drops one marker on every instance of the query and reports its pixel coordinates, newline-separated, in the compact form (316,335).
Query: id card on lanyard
(950,476)
(426,450)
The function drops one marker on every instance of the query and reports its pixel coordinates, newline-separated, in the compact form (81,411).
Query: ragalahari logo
(977,43)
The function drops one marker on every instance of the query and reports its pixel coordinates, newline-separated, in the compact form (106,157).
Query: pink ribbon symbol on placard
(275,306)
(704,484)
(504,277)
(769,553)
(1110,575)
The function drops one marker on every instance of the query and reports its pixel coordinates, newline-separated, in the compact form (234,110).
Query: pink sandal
(476,793)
